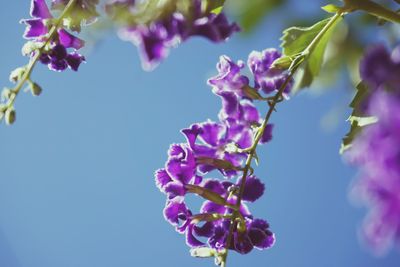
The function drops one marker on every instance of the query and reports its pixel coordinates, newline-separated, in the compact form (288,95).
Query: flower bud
(220,256)
(17,74)
(202,252)
(10,116)
(36,90)
(30,47)
(251,93)
(6,94)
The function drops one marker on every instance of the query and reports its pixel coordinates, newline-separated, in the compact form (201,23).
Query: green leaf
(252,12)
(357,124)
(282,62)
(363,121)
(359,97)
(215,6)
(331,8)
(374,9)
(357,119)
(296,40)
(217,10)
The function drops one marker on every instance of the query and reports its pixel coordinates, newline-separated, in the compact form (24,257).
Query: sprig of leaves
(301,43)
(358,119)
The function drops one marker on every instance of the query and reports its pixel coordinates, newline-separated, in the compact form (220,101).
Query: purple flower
(379,71)
(221,146)
(266,78)
(56,55)
(253,190)
(377,152)
(180,170)
(58,59)
(229,78)
(156,37)
(379,68)
(256,234)
(176,213)
(215,28)
(36,27)
(213,140)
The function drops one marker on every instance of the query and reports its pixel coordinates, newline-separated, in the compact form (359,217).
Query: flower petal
(74,60)
(39,9)
(68,40)
(35,28)
(162,179)
(191,240)
(253,189)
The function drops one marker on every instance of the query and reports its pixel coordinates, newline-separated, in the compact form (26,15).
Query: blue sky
(76,170)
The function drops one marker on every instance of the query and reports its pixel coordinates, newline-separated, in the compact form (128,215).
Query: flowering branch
(23,74)
(272,104)
(251,154)
(154,26)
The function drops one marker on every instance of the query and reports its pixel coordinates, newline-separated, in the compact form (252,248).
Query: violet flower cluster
(60,52)
(156,26)
(376,150)
(220,147)
(49,42)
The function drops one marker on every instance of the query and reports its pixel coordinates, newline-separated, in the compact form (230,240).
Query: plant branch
(372,8)
(252,150)
(29,68)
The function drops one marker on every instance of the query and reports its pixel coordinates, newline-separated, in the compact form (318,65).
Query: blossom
(164,30)
(229,78)
(266,77)
(377,153)
(180,170)
(381,68)
(221,145)
(376,150)
(56,55)
(214,138)
(254,233)
(249,233)
(58,59)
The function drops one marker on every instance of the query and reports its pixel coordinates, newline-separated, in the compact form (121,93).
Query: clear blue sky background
(76,170)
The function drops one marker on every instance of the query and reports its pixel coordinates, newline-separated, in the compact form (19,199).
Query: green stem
(39,51)
(309,49)
(252,150)
(372,8)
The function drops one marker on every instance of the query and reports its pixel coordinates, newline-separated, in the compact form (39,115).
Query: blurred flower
(376,150)
(156,30)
